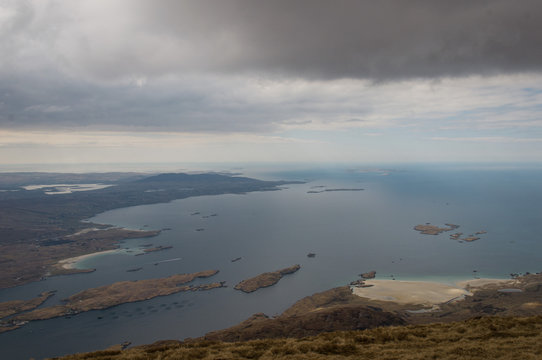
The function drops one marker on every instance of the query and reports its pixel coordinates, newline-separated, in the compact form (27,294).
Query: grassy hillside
(479,338)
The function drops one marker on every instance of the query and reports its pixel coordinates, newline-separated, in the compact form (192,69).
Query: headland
(265,279)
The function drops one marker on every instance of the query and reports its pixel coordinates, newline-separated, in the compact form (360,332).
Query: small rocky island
(157,248)
(265,279)
(332,190)
(134,269)
(368,275)
(429,229)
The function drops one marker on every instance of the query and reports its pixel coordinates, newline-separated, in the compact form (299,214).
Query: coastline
(108,236)
(71,263)
(428,293)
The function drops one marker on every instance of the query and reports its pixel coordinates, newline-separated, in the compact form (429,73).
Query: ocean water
(349,231)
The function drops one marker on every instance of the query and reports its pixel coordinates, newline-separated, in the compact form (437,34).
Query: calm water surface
(350,232)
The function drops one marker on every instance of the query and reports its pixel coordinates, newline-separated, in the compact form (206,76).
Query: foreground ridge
(478,338)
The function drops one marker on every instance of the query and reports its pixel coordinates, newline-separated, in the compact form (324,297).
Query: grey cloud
(54,102)
(382,40)
(314,38)
(361,39)
(68,64)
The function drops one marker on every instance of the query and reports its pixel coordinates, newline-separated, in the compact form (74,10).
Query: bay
(349,231)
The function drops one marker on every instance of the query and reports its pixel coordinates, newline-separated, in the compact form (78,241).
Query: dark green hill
(197,178)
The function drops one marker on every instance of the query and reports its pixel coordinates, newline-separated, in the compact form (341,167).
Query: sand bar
(425,292)
(71,263)
(410,292)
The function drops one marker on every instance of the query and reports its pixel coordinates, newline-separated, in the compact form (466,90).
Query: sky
(342,81)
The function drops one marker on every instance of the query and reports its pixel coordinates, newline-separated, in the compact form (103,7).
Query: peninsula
(104,297)
(265,279)
(9,308)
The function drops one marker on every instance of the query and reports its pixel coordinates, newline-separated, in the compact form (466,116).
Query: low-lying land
(265,279)
(115,294)
(25,262)
(37,230)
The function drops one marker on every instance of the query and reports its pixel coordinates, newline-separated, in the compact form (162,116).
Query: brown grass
(478,338)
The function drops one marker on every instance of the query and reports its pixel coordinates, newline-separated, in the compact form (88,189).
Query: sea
(350,231)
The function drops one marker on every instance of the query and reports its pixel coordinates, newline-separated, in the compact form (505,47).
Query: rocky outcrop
(368,275)
(429,229)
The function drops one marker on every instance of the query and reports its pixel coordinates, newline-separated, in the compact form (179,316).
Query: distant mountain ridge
(200,178)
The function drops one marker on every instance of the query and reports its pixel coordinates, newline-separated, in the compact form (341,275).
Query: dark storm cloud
(339,38)
(176,65)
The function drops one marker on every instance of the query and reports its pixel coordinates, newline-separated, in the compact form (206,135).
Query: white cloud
(47,108)
(489,139)
(137,139)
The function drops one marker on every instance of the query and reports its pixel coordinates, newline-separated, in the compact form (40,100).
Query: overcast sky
(293,80)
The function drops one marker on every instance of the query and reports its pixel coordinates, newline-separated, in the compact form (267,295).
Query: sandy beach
(423,292)
(71,263)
